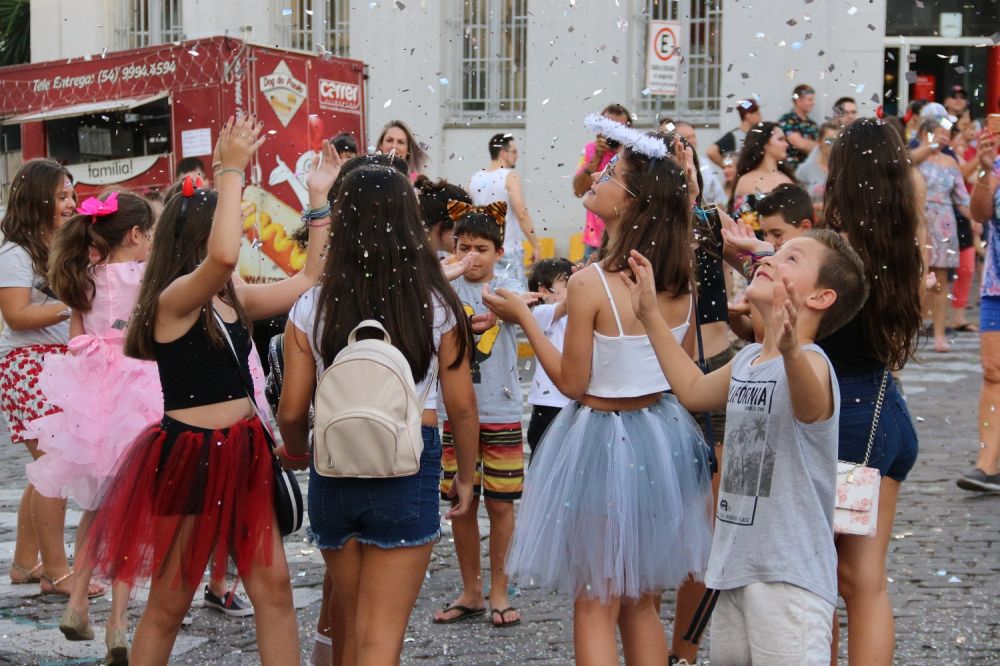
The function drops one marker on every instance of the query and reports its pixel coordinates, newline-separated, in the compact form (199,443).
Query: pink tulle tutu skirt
(107,399)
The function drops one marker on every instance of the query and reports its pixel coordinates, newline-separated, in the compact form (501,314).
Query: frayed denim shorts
(388,513)
(894,449)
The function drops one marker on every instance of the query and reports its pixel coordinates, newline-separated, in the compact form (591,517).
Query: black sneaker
(231,604)
(979,481)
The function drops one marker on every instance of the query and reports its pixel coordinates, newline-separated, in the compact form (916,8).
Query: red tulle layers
(182,493)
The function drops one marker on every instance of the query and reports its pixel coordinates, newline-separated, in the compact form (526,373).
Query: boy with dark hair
(190,166)
(550,279)
(773,557)
(479,232)
(786,212)
(345,145)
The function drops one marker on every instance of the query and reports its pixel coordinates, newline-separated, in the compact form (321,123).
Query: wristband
(310,214)
(240,172)
(290,458)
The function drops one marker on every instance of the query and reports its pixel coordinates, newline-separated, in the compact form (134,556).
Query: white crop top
(625,366)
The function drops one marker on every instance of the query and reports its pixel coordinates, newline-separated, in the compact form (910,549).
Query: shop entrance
(926,68)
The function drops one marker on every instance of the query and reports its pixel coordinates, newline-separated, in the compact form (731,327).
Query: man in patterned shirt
(800,130)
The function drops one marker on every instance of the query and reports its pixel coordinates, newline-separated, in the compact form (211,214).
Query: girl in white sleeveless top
(617,503)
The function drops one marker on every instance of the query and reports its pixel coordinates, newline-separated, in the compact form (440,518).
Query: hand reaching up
(323,173)
(238,140)
(784,317)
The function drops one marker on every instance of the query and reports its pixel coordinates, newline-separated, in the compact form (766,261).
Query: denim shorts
(894,450)
(388,513)
(989,314)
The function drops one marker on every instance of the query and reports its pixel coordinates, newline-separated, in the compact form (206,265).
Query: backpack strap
(369,323)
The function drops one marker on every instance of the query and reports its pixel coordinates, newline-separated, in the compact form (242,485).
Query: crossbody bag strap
(702,363)
(876,416)
(265,421)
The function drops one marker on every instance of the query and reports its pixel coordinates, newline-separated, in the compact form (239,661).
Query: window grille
(698,97)
(489,81)
(316,25)
(146,22)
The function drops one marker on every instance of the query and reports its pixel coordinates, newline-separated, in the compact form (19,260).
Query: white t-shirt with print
(16,271)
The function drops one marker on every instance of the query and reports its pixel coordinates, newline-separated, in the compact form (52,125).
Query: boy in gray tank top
(773,557)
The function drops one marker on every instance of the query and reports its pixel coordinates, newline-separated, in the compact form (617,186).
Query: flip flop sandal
(95,590)
(465,613)
(29,574)
(502,625)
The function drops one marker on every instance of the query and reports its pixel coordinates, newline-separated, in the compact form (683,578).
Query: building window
(698,96)
(146,22)
(317,25)
(490,81)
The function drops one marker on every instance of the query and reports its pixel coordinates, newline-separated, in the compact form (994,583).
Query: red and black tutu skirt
(188,493)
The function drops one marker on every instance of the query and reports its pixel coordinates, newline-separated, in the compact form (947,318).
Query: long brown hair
(752,155)
(870,196)
(71,270)
(657,223)
(180,244)
(381,267)
(31,209)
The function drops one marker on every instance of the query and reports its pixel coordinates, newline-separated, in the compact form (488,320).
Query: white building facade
(458,71)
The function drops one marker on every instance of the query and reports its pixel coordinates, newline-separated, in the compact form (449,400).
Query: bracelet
(290,458)
(240,172)
(310,214)
(315,225)
(216,166)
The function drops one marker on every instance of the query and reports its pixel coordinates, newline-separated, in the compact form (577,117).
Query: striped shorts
(499,465)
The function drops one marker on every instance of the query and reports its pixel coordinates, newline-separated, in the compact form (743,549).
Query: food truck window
(144,130)
(10,138)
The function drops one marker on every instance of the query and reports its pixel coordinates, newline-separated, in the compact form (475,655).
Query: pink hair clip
(97,208)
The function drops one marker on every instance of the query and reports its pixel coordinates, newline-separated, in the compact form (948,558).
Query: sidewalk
(944,566)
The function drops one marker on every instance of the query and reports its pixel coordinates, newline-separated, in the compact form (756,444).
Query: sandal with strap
(29,574)
(95,589)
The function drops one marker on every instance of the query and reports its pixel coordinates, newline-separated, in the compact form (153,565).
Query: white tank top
(625,366)
(489,186)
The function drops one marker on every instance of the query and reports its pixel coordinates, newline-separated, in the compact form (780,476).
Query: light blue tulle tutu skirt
(616,504)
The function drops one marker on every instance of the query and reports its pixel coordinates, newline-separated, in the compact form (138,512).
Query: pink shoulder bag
(856,507)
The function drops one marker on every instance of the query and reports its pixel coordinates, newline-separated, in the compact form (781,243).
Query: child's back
(106,398)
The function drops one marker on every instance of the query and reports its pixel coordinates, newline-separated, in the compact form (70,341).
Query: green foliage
(15,32)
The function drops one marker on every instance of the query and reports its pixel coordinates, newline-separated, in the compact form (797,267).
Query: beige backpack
(368,412)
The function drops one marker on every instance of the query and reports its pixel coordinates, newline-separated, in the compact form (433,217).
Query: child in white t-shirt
(549,278)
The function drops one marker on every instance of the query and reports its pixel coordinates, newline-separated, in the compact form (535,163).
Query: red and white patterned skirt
(21,399)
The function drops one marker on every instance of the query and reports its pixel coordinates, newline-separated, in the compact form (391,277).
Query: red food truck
(128,118)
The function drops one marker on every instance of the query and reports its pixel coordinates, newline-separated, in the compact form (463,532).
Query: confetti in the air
(388,102)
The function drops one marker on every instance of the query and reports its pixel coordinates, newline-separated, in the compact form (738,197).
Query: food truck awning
(83,109)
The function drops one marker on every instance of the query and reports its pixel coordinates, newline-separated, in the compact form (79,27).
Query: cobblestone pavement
(944,566)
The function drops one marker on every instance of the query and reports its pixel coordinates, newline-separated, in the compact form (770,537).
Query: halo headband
(637,140)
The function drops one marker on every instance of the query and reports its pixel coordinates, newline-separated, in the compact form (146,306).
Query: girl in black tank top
(200,482)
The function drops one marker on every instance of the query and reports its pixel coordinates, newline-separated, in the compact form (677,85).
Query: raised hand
(454,269)
(506,304)
(641,286)
(685,155)
(238,140)
(323,172)
(987,151)
(784,316)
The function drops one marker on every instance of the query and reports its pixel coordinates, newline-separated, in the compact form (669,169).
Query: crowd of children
(637,392)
